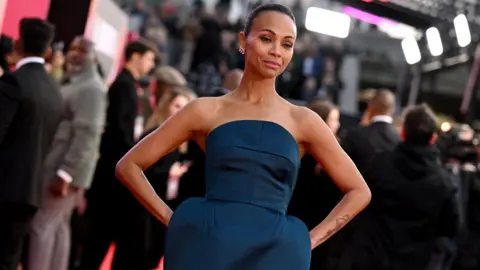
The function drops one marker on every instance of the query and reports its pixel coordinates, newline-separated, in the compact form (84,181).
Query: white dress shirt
(31,59)
(382,118)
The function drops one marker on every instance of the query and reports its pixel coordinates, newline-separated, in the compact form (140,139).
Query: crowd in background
(177,55)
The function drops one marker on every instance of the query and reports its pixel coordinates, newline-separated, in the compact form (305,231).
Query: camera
(458,143)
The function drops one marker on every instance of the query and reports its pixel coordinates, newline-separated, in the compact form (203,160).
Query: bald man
(230,82)
(232,79)
(70,163)
(376,131)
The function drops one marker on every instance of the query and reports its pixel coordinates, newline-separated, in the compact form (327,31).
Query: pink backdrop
(3,5)
(17,9)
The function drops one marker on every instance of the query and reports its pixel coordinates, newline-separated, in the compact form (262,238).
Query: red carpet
(107,262)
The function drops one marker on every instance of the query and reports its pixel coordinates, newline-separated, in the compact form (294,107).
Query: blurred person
(398,123)
(167,79)
(230,82)
(57,62)
(328,112)
(182,54)
(377,132)
(71,161)
(105,213)
(30,109)
(311,64)
(314,187)
(413,203)
(253,140)
(7,54)
(310,168)
(166,172)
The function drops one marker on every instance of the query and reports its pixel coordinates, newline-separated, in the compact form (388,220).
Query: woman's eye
(265,39)
(288,45)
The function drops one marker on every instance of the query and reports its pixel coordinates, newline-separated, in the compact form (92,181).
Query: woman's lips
(272,64)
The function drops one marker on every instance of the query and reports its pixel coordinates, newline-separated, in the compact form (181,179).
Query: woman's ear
(242,42)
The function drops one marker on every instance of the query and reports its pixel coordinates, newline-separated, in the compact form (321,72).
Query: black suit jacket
(361,143)
(413,203)
(118,137)
(117,140)
(30,109)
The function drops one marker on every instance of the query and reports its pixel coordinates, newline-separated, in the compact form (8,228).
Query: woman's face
(269,45)
(333,120)
(177,104)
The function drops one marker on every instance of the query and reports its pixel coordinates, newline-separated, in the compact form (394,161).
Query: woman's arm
(176,130)
(321,143)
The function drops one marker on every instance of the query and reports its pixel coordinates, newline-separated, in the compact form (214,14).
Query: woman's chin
(270,73)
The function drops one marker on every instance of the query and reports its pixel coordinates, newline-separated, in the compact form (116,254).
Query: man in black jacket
(413,203)
(377,132)
(108,199)
(30,109)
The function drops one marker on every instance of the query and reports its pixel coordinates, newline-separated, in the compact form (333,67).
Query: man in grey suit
(71,161)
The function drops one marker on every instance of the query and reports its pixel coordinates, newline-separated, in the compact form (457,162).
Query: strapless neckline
(228,123)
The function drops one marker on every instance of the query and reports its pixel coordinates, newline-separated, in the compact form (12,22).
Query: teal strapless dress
(241,224)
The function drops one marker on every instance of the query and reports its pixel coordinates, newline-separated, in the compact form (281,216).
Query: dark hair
(265,8)
(138,46)
(36,35)
(322,108)
(6,47)
(420,124)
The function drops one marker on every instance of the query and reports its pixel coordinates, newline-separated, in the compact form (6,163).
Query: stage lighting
(462,30)
(411,50)
(434,41)
(327,22)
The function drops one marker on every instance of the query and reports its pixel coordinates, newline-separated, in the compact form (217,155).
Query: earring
(241,50)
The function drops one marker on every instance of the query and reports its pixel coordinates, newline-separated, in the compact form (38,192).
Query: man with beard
(70,163)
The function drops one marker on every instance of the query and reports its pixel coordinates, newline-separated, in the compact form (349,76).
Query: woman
(311,181)
(253,140)
(329,113)
(314,186)
(168,168)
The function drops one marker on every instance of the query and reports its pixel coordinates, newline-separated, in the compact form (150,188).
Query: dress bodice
(253,162)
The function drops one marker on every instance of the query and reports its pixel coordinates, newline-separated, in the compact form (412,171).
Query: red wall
(18,9)
(3,5)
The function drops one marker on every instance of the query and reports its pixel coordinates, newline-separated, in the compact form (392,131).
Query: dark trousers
(119,225)
(15,220)
(156,242)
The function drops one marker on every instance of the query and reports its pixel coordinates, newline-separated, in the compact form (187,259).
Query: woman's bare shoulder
(204,107)
(306,121)
(301,114)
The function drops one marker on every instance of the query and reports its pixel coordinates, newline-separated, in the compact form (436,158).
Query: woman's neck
(255,89)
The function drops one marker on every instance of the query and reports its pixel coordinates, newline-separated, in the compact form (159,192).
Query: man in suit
(71,161)
(376,133)
(30,109)
(413,205)
(108,199)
